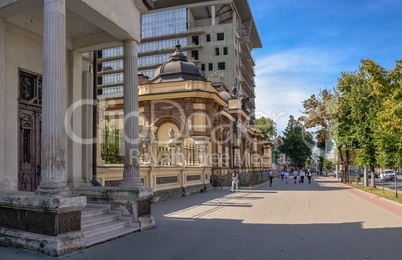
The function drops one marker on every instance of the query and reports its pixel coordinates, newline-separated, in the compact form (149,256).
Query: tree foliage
(111,144)
(387,88)
(369,115)
(297,143)
(267,126)
(362,105)
(318,115)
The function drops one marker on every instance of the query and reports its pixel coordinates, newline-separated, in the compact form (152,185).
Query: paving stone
(321,220)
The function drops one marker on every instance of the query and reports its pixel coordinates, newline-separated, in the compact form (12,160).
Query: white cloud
(287,78)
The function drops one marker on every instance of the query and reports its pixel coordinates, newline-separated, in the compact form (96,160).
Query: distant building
(217,36)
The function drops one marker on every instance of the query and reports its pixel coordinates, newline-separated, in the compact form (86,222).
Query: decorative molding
(166,180)
(193,177)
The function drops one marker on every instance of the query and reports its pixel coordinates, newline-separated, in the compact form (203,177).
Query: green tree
(387,87)
(297,143)
(267,127)
(317,115)
(328,165)
(357,117)
(111,144)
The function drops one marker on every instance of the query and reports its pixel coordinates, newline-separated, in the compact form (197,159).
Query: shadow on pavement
(204,226)
(232,239)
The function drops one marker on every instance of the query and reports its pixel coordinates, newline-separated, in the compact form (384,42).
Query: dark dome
(177,68)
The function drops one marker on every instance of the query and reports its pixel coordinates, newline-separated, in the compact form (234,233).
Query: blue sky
(308,43)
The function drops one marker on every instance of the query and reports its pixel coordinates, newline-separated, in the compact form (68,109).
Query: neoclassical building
(49,201)
(190,131)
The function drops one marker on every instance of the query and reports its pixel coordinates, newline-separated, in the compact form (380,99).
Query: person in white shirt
(235,181)
(308,176)
(295,173)
(286,175)
(270,176)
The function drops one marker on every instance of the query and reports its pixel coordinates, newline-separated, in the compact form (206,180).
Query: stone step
(96,220)
(103,228)
(99,223)
(91,212)
(90,241)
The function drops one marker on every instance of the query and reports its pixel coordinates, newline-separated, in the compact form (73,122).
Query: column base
(48,245)
(64,191)
(42,223)
(134,182)
(4,188)
(77,183)
(146,222)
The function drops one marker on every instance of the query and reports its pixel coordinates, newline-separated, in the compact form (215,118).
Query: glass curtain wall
(153,25)
(163,23)
(156,25)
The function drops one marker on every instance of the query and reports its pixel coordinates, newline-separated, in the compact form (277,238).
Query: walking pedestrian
(295,173)
(235,181)
(270,176)
(286,175)
(282,174)
(302,174)
(308,176)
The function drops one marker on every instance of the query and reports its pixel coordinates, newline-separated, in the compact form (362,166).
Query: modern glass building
(218,36)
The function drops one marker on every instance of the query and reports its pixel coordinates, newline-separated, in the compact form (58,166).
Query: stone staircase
(99,223)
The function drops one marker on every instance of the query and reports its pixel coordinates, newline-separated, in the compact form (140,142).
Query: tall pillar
(87,115)
(2,104)
(131,176)
(237,154)
(53,172)
(267,157)
(75,157)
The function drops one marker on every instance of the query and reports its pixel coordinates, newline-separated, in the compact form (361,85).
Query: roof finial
(178,45)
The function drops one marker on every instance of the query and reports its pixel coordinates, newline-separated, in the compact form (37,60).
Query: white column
(53,174)
(87,115)
(75,156)
(2,103)
(213,21)
(131,176)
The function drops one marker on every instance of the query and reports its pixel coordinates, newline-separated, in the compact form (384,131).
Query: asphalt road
(387,184)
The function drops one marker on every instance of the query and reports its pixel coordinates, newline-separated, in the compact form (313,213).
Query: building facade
(217,36)
(191,132)
(46,108)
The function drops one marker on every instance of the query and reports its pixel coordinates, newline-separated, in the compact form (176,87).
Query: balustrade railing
(182,155)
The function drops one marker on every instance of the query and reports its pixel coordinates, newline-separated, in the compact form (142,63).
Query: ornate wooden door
(29,118)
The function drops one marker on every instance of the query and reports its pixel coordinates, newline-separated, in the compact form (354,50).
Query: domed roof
(225,95)
(177,68)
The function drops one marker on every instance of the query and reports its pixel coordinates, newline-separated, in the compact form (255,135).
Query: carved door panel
(29,158)
(29,118)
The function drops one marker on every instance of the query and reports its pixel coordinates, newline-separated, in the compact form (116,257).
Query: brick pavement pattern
(321,220)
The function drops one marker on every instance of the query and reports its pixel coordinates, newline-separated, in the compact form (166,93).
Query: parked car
(389,174)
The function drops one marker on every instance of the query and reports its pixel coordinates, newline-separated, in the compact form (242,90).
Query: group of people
(285,175)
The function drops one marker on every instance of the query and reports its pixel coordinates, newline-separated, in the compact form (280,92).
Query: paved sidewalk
(321,220)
